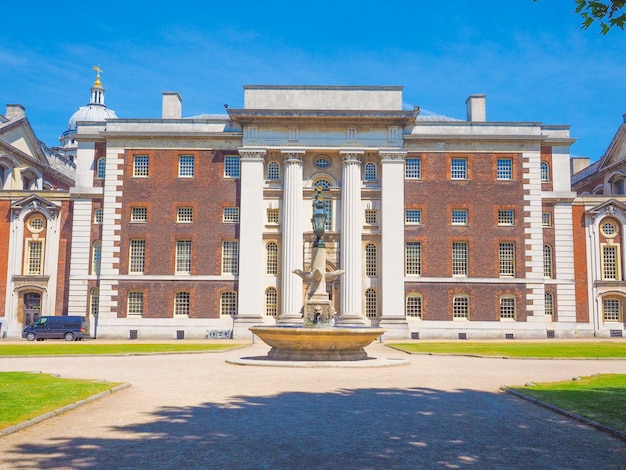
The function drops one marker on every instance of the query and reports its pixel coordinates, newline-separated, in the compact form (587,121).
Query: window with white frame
(370,172)
(96,257)
(371,303)
(231,166)
(414,306)
(228,303)
(371,261)
(413,168)
(273,171)
(505,169)
(328,205)
(609,229)
(138,214)
(546,219)
(460,307)
(34,263)
(137,257)
(547,261)
(271,259)
(141,166)
(135,303)
(231,214)
(101,168)
(271,302)
(413,216)
(549,303)
(610,268)
(230,257)
(506,255)
(371,217)
(506,217)
(458,169)
(459,258)
(98,216)
(507,307)
(459,216)
(94,301)
(273,216)
(183,256)
(37,223)
(184,215)
(611,310)
(186,166)
(322,162)
(182,303)
(545,172)
(413,258)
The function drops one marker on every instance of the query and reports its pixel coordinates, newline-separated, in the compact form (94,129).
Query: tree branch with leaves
(608,14)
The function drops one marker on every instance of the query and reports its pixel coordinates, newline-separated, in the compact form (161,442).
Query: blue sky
(532,60)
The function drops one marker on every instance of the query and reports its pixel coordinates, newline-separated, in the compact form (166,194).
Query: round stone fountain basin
(300,343)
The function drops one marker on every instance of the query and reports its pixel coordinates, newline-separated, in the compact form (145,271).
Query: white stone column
(251,254)
(392,245)
(291,249)
(351,250)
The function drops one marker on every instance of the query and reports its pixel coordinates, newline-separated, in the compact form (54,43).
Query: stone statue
(319,217)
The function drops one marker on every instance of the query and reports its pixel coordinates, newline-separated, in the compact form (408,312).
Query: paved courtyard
(195,411)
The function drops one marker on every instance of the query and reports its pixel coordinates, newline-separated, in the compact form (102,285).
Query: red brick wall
(63,269)
(580,264)
(5,233)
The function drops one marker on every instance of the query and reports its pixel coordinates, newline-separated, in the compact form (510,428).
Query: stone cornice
(391,156)
(292,155)
(348,156)
(252,154)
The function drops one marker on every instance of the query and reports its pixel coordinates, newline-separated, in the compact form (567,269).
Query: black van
(63,327)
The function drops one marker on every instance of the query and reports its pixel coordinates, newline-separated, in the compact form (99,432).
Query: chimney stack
(15,112)
(172,105)
(476,108)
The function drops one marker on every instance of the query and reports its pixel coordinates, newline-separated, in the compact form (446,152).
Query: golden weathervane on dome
(97,68)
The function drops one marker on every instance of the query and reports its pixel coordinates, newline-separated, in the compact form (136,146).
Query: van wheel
(69,336)
(30,336)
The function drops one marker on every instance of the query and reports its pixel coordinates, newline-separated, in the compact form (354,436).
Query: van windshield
(40,322)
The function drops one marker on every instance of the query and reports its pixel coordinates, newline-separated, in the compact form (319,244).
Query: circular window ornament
(609,229)
(36,224)
(322,162)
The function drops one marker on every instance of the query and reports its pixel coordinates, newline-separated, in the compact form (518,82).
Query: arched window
(228,303)
(371,260)
(414,306)
(96,257)
(324,183)
(545,172)
(547,262)
(371,303)
(94,301)
(135,303)
(370,172)
(549,303)
(507,307)
(271,302)
(101,168)
(271,258)
(273,171)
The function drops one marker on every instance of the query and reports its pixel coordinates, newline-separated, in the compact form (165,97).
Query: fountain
(319,338)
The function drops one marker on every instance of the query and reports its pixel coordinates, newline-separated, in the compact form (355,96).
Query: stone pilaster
(351,251)
(291,249)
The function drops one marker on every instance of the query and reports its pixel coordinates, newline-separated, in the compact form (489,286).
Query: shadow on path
(347,429)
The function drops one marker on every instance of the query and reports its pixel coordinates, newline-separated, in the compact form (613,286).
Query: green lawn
(601,398)
(544,349)
(26,395)
(49,348)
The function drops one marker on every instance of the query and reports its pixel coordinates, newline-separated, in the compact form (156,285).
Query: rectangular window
(458,169)
(137,262)
(231,166)
(609,263)
(459,258)
(413,258)
(182,303)
(231,214)
(507,307)
(141,164)
(506,217)
(96,257)
(505,169)
(413,168)
(273,216)
(371,217)
(183,256)
(459,217)
(460,306)
(371,303)
(35,256)
(611,309)
(98,216)
(230,257)
(547,261)
(135,303)
(228,303)
(328,205)
(138,214)
(413,216)
(186,166)
(184,215)
(271,259)
(414,306)
(507,259)
(546,219)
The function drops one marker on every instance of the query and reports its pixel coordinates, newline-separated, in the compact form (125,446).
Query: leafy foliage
(609,14)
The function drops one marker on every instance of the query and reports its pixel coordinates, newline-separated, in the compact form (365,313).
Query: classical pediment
(18,139)
(612,206)
(35,202)
(616,151)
